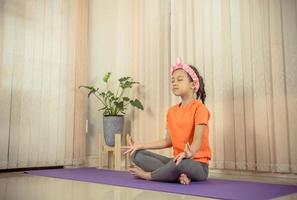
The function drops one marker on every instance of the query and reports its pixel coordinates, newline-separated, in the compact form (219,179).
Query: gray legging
(163,168)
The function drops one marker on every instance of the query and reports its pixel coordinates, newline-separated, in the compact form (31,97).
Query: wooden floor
(20,186)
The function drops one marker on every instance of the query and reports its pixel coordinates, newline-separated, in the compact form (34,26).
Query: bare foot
(183,179)
(137,172)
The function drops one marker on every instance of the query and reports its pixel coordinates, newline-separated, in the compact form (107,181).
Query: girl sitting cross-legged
(187,133)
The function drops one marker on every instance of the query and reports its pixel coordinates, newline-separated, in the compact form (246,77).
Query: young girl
(187,133)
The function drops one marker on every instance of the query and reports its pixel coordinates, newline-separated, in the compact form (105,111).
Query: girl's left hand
(186,154)
(132,146)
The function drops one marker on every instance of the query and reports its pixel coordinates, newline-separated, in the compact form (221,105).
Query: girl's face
(181,83)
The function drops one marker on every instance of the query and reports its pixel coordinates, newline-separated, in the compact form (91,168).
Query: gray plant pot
(111,126)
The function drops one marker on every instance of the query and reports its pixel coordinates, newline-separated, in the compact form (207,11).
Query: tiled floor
(20,186)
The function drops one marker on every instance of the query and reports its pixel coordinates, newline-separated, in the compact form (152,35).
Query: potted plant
(114,105)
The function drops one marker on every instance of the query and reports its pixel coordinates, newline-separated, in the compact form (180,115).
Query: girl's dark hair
(201,92)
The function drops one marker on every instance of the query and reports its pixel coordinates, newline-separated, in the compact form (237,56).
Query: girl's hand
(186,154)
(188,151)
(132,146)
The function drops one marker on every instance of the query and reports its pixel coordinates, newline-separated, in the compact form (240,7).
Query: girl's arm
(191,150)
(197,140)
(159,144)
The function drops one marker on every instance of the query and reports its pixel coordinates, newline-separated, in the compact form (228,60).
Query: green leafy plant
(114,103)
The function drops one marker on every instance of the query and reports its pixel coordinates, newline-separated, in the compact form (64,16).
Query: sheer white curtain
(42,56)
(131,38)
(245,50)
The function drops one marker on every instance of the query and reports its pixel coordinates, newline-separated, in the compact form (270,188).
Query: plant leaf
(124,78)
(126,98)
(102,108)
(106,77)
(136,103)
(119,105)
(86,86)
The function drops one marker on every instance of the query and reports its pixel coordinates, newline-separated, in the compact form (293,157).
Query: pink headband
(180,65)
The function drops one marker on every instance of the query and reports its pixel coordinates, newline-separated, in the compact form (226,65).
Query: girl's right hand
(132,146)
(186,154)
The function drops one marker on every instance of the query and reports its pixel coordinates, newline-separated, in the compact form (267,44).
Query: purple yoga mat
(214,188)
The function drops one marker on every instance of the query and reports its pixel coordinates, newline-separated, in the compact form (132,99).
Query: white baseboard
(92,161)
(255,174)
(3,165)
(257,167)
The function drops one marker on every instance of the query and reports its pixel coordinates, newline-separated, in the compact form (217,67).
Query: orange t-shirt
(181,122)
